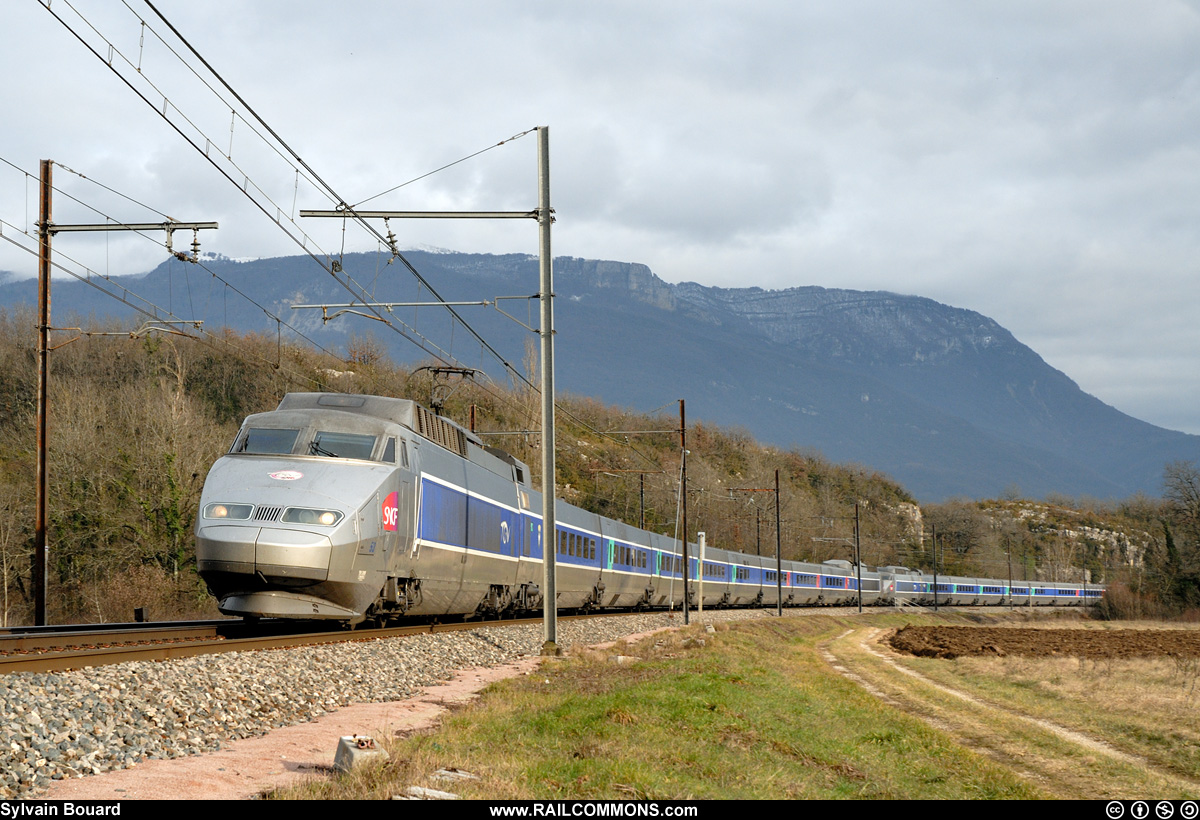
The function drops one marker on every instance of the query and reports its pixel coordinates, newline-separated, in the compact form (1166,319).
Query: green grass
(752,711)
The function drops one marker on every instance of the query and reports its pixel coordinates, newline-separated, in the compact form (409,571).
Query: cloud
(1034,161)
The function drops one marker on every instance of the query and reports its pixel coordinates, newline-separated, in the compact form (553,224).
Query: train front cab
(901,586)
(273,538)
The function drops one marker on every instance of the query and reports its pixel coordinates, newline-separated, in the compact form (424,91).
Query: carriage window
(342,445)
(389,452)
(267,441)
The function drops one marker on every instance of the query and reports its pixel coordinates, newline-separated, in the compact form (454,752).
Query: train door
(398,524)
(368,522)
(528,544)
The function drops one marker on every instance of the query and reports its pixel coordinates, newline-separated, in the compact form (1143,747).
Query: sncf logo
(391,512)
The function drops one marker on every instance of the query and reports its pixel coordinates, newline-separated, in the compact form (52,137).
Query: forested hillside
(135,424)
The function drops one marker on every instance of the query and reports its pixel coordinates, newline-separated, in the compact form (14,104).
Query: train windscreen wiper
(315,449)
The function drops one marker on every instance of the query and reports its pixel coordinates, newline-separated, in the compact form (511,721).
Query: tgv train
(353,508)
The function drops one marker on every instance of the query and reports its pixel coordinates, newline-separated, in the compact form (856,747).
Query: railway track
(57,649)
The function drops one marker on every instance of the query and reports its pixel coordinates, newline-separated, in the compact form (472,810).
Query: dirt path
(1064,762)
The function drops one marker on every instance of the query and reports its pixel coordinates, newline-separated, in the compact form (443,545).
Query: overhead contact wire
(303,245)
(331,193)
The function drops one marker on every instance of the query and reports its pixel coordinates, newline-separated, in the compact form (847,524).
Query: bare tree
(1180,565)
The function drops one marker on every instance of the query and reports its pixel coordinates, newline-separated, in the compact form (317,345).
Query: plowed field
(957,641)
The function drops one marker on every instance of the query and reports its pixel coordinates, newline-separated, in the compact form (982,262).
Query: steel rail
(13,644)
(27,638)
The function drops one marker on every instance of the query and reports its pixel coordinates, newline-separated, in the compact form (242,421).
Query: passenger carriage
(351,507)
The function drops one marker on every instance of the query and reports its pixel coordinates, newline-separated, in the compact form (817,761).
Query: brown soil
(956,641)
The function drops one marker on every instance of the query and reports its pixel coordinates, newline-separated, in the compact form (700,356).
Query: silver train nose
(273,553)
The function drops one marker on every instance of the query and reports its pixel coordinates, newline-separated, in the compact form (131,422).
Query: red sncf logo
(391,512)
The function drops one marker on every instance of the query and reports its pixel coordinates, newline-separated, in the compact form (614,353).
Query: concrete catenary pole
(933,538)
(858,556)
(546,292)
(778,552)
(687,601)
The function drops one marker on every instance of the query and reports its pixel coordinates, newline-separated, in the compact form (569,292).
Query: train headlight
(234,512)
(301,515)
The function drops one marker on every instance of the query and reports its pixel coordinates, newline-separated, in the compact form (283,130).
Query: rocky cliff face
(630,278)
(865,327)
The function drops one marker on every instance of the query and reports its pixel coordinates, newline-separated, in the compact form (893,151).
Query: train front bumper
(277,603)
(265,551)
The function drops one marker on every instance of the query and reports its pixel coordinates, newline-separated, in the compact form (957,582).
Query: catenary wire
(199,262)
(404,330)
(350,211)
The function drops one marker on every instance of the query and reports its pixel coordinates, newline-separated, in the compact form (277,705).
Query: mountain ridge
(944,399)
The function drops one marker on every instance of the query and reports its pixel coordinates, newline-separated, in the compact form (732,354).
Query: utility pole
(1008,553)
(641,486)
(778,537)
(778,552)
(544,215)
(933,536)
(40,547)
(858,556)
(46,231)
(546,293)
(683,493)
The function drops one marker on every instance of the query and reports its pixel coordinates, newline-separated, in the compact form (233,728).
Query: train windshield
(342,445)
(267,441)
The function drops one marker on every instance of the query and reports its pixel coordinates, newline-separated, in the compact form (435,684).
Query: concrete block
(356,750)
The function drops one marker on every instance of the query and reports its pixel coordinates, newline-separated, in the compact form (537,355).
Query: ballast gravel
(73,724)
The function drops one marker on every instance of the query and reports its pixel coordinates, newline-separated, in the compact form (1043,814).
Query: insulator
(391,239)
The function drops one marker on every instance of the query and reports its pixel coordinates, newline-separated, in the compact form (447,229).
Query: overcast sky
(1038,162)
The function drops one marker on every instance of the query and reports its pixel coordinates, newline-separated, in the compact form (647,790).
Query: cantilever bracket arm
(344,212)
(152,326)
(347,307)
